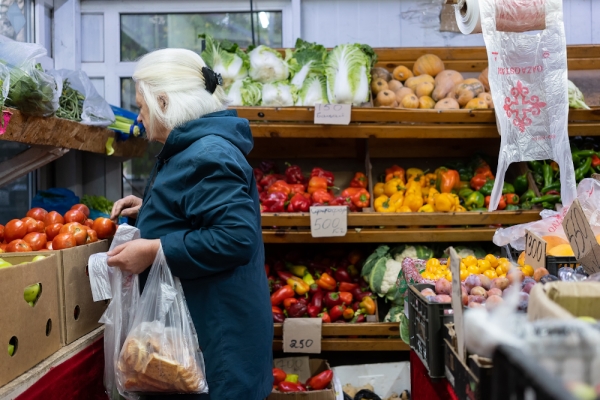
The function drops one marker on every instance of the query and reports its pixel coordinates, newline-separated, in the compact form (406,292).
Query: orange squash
(378,85)
(382,73)
(487,97)
(467,91)
(424,89)
(400,94)
(429,64)
(426,102)
(417,80)
(395,85)
(410,101)
(484,79)
(445,82)
(385,98)
(401,73)
(476,104)
(447,104)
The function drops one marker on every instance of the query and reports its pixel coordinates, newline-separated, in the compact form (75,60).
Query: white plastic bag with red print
(528,81)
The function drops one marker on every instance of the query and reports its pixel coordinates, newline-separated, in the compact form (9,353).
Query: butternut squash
(381,73)
(417,80)
(467,91)
(447,104)
(487,97)
(400,94)
(445,82)
(385,98)
(484,79)
(429,64)
(424,89)
(378,85)
(395,85)
(410,101)
(426,102)
(401,73)
(476,104)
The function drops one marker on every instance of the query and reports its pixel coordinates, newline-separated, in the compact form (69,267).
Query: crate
(426,324)
(553,264)
(514,254)
(515,376)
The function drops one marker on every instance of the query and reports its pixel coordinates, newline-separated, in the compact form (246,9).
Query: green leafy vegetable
(347,68)
(32,92)
(307,58)
(576,99)
(245,93)
(267,65)
(225,58)
(313,91)
(70,103)
(98,203)
(279,94)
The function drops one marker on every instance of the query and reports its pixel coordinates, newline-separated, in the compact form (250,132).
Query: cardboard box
(564,300)
(35,331)
(316,366)
(386,378)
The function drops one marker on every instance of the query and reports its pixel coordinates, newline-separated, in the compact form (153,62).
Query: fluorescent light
(264,19)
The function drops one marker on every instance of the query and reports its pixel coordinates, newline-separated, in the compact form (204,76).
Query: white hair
(172,84)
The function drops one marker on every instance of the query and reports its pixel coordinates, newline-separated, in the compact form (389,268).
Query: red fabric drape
(421,385)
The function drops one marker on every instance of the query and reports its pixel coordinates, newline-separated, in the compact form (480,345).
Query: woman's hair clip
(211,79)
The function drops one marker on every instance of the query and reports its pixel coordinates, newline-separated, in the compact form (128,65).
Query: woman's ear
(163,102)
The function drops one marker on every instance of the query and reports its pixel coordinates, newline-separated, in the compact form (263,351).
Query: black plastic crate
(514,254)
(553,264)
(514,376)
(426,329)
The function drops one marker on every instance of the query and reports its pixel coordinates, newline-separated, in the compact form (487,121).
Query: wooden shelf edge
(364,329)
(355,345)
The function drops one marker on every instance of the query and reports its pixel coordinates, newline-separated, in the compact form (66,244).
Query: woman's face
(159,132)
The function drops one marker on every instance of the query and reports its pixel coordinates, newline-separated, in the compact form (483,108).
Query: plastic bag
(124,290)
(161,353)
(4,84)
(32,91)
(528,81)
(96,111)
(55,199)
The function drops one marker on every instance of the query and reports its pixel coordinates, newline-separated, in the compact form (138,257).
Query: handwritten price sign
(294,365)
(328,221)
(302,335)
(333,114)
(582,238)
(535,250)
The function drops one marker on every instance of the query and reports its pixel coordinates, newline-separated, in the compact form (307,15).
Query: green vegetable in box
(32,92)
(381,251)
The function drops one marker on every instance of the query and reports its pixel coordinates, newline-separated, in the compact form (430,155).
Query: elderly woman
(201,204)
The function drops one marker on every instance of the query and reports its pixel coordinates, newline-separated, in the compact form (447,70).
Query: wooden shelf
(344,344)
(409,219)
(62,133)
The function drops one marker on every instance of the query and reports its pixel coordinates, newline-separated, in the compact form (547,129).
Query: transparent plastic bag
(528,81)
(32,91)
(96,111)
(161,353)
(124,290)
(4,84)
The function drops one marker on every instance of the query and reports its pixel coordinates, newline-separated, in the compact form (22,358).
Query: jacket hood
(221,123)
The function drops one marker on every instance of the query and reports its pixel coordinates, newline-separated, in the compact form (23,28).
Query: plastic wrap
(528,82)
(4,83)
(96,111)
(161,353)
(124,290)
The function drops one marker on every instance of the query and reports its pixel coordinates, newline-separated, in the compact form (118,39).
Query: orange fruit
(490,273)
(521,260)
(553,241)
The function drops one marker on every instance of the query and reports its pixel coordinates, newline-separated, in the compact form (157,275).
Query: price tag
(582,239)
(535,250)
(457,305)
(294,365)
(328,221)
(333,114)
(302,335)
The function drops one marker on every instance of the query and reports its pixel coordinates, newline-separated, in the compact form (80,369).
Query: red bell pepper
(278,318)
(259,188)
(501,203)
(346,298)
(317,300)
(289,387)
(595,161)
(280,186)
(349,192)
(325,317)
(321,173)
(348,287)
(314,289)
(354,257)
(284,275)
(267,269)
(344,201)
(326,282)
(320,381)
(341,275)
(268,167)
(278,375)
(348,314)
(335,313)
(293,174)
(299,203)
(317,183)
(284,293)
(267,181)
(297,188)
(297,310)
(287,303)
(321,197)
(263,196)
(360,318)
(303,300)
(332,299)
(314,311)
(478,181)
(276,285)
(258,174)
(359,181)
(275,202)
(276,309)
(356,305)
(361,198)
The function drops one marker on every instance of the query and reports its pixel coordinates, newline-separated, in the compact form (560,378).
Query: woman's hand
(134,256)
(127,207)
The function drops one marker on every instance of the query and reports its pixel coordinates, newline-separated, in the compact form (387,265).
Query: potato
(472,281)
(427,292)
(443,286)
(478,291)
(493,301)
(485,282)
(499,283)
(494,292)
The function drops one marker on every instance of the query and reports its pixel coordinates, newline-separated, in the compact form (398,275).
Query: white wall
(415,23)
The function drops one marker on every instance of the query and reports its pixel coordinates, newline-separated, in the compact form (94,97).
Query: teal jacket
(202,202)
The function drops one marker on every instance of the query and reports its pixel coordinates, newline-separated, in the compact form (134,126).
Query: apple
(4,264)
(31,292)
(38,258)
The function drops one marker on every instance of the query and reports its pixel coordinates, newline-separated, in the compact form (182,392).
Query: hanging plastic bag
(528,81)
(161,353)
(94,109)
(4,84)
(124,291)
(32,91)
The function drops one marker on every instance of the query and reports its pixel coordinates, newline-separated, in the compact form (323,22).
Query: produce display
(294,192)
(41,230)
(289,383)
(70,103)
(460,188)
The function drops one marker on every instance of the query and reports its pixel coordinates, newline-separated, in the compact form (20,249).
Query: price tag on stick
(582,238)
(535,250)
(328,221)
(302,335)
(333,114)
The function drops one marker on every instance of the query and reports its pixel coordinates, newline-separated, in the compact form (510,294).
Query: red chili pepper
(361,198)
(289,387)
(342,275)
(320,381)
(325,317)
(348,287)
(321,197)
(275,202)
(326,282)
(280,186)
(284,293)
(359,181)
(346,298)
(320,172)
(336,312)
(278,375)
(314,311)
(299,203)
(293,174)
(332,299)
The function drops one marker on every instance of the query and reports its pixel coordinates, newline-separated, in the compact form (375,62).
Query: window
(15,17)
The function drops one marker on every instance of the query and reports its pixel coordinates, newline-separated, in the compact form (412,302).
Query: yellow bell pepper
(460,208)
(413,172)
(378,189)
(397,199)
(414,201)
(384,205)
(394,186)
(426,208)
(430,179)
(456,200)
(444,202)
(430,197)
(403,209)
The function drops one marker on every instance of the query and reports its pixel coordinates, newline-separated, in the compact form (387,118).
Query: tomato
(18,246)
(78,231)
(36,240)
(92,236)
(1,233)
(83,208)
(63,241)
(75,216)
(49,245)
(54,218)
(3,247)
(53,230)
(33,225)
(37,213)
(104,227)
(89,223)
(15,229)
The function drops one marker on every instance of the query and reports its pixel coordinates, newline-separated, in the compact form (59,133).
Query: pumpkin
(410,101)
(401,73)
(429,64)
(445,82)
(395,85)
(400,94)
(426,102)
(381,73)
(467,91)
(487,97)
(476,104)
(385,98)
(417,80)
(447,104)
(484,79)
(424,89)
(378,85)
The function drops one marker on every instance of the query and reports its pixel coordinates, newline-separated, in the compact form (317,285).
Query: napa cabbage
(576,99)
(267,65)
(347,69)
(307,59)
(278,94)
(225,58)
(313,91)
(245,93)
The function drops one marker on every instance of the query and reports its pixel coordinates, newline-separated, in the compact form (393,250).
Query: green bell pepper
(486,189)
(536,166)
(538,179)
(465,173)
(521,184)
(511,207)
(528,195)
(474,200)
(480,209)
(526,205)
(464,193)
(507,188)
